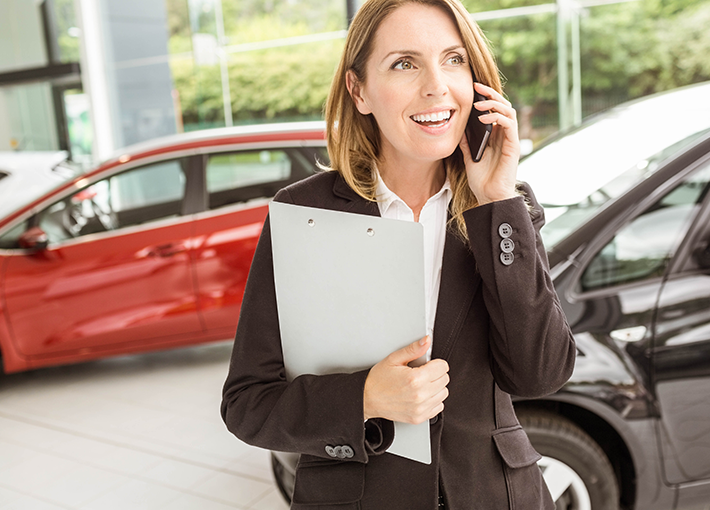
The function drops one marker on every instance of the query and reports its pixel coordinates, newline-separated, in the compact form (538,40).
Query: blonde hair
(354,139)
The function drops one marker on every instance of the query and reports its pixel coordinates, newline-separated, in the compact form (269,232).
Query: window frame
(297,153)
(680,169)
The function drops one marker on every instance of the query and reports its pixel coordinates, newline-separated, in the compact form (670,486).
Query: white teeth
(433,117)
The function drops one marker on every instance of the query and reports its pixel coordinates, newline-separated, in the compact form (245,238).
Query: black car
(628,238)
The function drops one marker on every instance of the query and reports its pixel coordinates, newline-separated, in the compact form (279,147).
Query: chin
(437,152)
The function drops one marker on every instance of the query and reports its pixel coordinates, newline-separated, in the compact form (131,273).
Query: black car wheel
(576,469)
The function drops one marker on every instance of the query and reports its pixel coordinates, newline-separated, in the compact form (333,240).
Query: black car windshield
(576,174)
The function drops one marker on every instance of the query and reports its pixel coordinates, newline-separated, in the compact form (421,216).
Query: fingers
(400,393)
(411,352)
(498,109)
(434,370)
(432,405)
(491,93)
(499,119)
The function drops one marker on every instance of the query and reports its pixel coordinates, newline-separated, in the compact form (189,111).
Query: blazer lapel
(356,204)
(459,283)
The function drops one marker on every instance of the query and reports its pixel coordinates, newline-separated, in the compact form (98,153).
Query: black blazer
(499,326)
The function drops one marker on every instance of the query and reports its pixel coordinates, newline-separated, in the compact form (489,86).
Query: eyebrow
(419,54)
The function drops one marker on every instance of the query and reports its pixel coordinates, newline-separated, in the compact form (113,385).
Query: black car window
(643,248)
(135,197)
(239,177)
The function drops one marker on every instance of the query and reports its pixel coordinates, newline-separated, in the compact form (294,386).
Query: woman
(395,119)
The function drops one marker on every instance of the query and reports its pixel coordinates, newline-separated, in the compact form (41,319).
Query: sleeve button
(348,452)
(507,245)
(505,230)
(330,451)
(507,258)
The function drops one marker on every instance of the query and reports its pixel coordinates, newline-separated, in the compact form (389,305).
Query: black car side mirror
(34,239)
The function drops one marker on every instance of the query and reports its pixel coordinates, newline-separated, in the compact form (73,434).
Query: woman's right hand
(398,392)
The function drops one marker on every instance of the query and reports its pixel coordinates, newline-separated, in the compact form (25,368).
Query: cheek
(465,93)
(385,104)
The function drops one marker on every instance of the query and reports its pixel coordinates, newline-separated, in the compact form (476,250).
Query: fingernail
(423,341)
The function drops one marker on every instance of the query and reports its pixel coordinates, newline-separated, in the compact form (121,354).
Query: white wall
(21,38)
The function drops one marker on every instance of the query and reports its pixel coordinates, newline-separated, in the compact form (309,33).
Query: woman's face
(418,84)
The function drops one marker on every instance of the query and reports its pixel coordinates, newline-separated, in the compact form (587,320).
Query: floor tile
(191,502)
(177,474)
(137,432)
(133,495)
(272,501)
(24,502)
(32,476)
(12,454)
(126,460)
(82,485)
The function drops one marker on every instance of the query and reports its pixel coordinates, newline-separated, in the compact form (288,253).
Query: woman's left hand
(494,176)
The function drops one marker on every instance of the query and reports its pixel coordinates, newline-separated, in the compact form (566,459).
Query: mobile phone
(477,132)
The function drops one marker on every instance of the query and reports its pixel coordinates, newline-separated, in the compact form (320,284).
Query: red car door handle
(167,250)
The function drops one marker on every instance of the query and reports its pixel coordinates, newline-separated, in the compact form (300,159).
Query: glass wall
(251,61)
(30,115)
(274,60)
(268,60)
(33,108)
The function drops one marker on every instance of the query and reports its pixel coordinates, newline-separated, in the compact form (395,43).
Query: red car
(150,250)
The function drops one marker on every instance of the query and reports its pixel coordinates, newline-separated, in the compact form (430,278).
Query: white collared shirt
(432,217)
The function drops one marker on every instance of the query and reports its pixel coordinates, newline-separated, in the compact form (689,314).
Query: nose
(434,83)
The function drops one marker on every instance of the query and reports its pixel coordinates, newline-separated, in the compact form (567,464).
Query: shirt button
(507,245)
(330,451)
(348,452)
(507,258)
(505,230)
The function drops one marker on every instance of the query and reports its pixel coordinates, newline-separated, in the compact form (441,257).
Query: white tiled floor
(136,432)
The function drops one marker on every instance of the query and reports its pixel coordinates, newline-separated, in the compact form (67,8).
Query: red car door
(116,276)
(238,188)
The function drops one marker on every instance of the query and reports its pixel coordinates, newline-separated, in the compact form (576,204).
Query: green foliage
(289,82)
(627,50)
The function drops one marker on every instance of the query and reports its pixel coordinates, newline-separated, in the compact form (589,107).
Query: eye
(457,60)
(403,65)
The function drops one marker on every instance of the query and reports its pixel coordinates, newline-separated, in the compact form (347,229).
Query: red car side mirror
(34,239)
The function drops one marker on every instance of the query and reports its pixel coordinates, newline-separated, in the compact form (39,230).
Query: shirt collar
(386,197)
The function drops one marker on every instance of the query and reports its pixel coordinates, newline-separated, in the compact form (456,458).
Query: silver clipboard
(350,290)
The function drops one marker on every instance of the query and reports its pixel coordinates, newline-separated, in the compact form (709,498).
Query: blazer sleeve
(532,348)
(311,414)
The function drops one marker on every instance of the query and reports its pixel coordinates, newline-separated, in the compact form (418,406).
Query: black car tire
(577,456)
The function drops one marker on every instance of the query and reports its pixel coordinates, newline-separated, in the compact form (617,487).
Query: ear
(355,91)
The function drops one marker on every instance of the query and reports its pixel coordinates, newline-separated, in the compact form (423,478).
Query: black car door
(681,348)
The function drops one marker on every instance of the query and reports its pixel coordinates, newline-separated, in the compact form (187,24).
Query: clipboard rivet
(370,232)
(311,223)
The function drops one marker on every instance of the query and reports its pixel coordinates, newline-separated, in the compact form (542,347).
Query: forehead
(416,27)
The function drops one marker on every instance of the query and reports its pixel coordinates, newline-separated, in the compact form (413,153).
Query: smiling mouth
(432,119)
